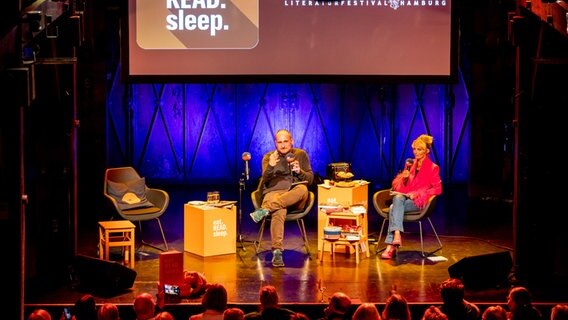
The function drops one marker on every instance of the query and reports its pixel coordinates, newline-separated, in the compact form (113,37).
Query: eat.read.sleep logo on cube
(196,24)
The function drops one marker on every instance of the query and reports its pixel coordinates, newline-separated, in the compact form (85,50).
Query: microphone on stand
(290,157)
(246,157)
(407,164)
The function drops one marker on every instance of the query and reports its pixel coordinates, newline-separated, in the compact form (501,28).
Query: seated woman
(415,185)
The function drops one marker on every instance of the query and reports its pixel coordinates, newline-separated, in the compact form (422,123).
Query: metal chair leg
(258,242)
(437,238)
(377,251)
(144,243)
(304,235)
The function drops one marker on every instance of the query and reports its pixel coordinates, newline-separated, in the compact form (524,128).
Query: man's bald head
(144,306)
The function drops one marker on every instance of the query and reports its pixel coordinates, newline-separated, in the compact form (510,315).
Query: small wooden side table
(355,219)
(117,233)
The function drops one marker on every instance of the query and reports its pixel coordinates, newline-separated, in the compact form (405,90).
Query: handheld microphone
(407,164)
(290,157)
(246,157)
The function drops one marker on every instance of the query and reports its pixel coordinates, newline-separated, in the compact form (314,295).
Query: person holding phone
(412,188)
(286,175)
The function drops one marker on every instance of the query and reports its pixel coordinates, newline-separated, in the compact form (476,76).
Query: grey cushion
(129,195)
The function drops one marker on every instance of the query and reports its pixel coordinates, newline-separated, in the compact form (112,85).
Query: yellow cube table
(117,233)
(210,230)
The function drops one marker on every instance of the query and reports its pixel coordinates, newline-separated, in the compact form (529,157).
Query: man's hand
(295,166)
(273,160)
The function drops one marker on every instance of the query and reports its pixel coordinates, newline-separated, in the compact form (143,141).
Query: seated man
(281,170)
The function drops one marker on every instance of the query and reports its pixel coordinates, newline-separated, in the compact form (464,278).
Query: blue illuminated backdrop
(196,133)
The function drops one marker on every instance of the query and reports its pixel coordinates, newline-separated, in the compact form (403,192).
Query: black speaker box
(483,271)
(101,276)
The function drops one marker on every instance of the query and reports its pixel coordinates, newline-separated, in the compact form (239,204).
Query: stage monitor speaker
(483,271)
(101,276)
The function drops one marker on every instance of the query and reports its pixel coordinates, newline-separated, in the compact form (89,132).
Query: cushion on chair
(129,195)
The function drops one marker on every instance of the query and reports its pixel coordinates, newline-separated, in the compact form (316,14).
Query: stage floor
(466,228)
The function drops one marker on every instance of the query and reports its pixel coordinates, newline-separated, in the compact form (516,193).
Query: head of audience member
(339,304)
(494,313)
(434,313)
(559,312)
(215,298)
(233,314)
(164,315)
(520,305)
(366,311)
(39,314)
(144,306)
(452,291)
(519,297)
(396,307)
(299,316)
(268,297)
(85,308)
(108,311)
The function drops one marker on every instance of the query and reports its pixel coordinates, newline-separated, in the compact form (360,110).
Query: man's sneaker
(259,214)
(277,258)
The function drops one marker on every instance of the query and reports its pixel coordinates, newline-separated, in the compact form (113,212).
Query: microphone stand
(240,237)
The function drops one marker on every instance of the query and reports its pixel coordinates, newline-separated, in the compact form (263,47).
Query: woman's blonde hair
(425,140)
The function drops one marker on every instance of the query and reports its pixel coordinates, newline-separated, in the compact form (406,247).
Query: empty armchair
(134,201)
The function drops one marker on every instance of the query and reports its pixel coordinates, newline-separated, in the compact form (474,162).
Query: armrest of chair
(311,201)
(256,198)
(382,200)
(112,201)
(158,197)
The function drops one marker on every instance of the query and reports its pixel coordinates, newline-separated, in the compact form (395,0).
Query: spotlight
(36,21)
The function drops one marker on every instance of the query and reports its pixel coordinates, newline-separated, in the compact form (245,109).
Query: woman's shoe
(397,241)
(389,252)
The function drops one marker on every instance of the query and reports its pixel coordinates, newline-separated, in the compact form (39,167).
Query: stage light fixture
(36,21)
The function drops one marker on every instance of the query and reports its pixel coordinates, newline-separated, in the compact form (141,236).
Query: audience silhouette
(454,305)
(39,314)
(520,305)
(434,313)
(396,308)
(144,306)
(233,314)
(269,308)
(559,312)
(108,311)
(339,307)
(366,311)
(494,313)
(214,301)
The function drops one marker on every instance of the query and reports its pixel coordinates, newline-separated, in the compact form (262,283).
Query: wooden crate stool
(362,244)
(117,233)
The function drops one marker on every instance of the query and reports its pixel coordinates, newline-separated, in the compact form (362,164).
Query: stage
(463,226)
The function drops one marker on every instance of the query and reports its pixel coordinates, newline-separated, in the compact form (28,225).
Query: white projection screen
(290,40)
